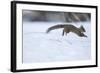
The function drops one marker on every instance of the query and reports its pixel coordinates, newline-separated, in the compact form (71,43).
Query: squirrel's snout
(85,36)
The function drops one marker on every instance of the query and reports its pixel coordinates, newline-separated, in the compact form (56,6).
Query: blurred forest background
(53,16)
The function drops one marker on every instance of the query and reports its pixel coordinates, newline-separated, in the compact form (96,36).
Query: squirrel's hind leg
(66,33)
(63,33)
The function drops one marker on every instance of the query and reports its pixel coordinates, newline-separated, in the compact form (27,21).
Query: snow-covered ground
(38,46)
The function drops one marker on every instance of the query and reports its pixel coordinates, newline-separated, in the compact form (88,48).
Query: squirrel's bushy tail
(54,27)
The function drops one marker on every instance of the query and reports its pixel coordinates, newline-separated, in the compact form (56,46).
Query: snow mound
(38,46)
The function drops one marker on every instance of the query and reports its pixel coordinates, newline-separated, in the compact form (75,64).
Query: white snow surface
(38,46)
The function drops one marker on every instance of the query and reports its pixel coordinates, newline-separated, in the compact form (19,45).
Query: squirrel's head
(82,35)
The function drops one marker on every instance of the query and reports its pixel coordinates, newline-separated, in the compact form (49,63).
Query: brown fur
(69,28)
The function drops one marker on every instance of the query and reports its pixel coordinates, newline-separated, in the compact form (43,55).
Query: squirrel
(69,28)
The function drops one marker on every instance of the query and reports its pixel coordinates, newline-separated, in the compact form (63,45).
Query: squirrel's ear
(82,28)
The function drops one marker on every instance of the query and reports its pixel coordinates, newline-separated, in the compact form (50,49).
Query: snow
(38,46)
